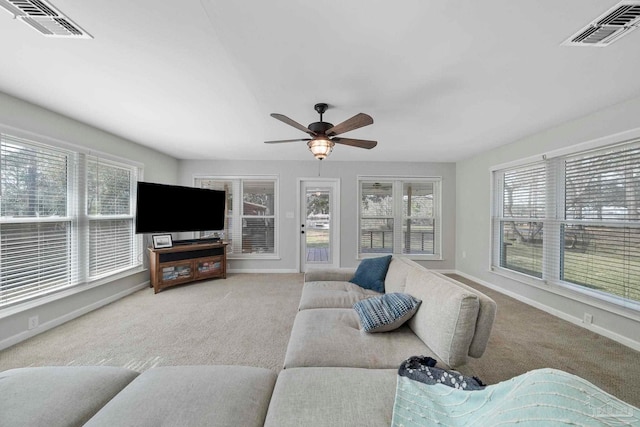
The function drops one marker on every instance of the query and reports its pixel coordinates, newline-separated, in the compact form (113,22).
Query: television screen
(165,208)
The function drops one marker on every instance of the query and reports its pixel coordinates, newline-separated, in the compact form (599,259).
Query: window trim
(398,216)
(238,214)
(605,301)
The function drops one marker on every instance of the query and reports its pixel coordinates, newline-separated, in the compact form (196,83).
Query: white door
(319,223)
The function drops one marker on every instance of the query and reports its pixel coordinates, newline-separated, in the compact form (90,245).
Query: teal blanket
(543,397)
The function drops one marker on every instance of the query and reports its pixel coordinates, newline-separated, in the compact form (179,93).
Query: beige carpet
(243,320)
(246,320)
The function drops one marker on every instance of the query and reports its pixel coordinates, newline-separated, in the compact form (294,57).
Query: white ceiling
(443,79)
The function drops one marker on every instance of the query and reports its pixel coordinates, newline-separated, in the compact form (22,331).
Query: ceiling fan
(324,134)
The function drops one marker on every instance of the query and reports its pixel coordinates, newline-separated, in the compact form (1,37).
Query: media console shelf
(187,263)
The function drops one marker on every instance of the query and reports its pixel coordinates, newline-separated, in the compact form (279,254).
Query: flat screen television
(163,208)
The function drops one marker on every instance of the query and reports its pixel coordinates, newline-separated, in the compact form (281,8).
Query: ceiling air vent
(609,27)
(44,17)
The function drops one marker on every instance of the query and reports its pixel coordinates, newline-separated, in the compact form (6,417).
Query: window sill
(64,293)
(408,256)
(570,292)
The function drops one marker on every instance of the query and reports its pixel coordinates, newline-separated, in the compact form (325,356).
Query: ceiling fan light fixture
(320,147)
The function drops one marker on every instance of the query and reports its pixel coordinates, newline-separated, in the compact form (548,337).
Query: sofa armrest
(329,274)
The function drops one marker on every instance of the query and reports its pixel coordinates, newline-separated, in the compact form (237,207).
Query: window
(400,216)
(573,221)
(521,223)
(111,219)
(250,224)
(48,242)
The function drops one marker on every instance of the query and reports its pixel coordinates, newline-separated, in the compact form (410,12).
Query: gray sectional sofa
(452,323)
(335,374)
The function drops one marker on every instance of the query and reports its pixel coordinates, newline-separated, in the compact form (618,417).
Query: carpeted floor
(247,318)
(243,320)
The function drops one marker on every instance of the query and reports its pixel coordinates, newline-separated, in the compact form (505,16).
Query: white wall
(474,208)
(347,172)
(29,120)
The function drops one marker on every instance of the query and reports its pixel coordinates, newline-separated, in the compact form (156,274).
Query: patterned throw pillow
(371,272)
(386,312)
(424,370)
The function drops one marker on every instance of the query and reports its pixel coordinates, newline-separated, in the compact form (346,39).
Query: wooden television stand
(187,263)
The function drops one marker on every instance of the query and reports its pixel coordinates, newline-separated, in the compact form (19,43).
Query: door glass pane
(318,225)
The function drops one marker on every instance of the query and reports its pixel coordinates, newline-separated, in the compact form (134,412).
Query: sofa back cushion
(446,319)
(486,316)
(396,279)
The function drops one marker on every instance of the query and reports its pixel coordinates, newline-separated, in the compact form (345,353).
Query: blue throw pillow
(386,312)
(371,273)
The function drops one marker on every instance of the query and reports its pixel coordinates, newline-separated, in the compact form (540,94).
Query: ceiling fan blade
(293,123)
(355,122)
(286,140)
(360,143)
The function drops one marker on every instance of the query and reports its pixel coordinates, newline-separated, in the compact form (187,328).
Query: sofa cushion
(336,397)
(486,316)
(332,337)
(399,269)
(58,395)
(323,274)
(385,312)
(446,319)
(332,294)
(192,396)
(371,273)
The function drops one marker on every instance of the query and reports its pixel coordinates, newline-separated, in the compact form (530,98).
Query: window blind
(574,221)
(228,188)
(258,218)
(418,221)
(36,226)
(600,247)
(521,223)
(399,215)
(251,213)
(376,217)
(111,222)
(65,218)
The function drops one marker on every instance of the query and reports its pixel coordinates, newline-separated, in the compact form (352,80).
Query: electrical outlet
(588,318)
(464,254)
(33,322)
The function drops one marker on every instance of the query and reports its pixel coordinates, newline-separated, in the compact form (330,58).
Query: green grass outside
(580,267)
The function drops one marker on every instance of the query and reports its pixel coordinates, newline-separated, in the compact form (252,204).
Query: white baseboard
(262,271)
(15,339)
(562,315)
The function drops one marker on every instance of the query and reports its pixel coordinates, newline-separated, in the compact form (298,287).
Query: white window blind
(251,203)
(399,215)
(258,216)
(376,217)
(112,240)
(520,225)
(418,218)
(600,248)
(573,221)
(36,227)
(228,187)
(48,240)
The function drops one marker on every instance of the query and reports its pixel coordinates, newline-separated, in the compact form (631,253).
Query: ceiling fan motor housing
(320,127)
